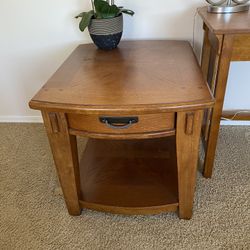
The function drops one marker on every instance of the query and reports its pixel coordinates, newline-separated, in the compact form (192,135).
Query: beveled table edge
(129,109)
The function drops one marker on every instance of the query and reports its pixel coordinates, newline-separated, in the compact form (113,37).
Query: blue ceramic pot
(106,33)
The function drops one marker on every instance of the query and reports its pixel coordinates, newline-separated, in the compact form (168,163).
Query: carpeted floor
(33,216)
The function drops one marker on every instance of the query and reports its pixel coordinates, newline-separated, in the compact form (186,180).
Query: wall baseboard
(235,123)
(38,119)
(21,119)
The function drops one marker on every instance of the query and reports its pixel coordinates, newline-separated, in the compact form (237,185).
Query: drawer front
(126,124)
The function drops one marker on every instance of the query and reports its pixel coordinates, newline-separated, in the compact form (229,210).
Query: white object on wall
(37,36)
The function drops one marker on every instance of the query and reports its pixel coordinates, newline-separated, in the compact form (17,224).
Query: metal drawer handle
(119,122)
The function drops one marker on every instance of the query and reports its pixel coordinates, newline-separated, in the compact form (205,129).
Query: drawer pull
(119,122)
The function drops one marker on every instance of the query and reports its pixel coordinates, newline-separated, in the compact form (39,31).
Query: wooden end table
(226,39)
(141,106)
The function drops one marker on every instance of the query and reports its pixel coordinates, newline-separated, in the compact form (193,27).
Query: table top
(139,75)
(233,23)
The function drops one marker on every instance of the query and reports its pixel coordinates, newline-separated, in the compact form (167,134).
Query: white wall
(37,36)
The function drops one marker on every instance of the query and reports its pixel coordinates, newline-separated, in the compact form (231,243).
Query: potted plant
(105,23)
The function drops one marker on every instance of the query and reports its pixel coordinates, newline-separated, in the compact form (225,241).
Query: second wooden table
(226,39)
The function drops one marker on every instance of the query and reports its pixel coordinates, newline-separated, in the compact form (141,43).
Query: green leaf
(126,11)
(80,15)
(104,10)
(86,18)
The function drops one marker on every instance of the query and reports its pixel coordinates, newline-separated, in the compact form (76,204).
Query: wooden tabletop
(139,75)
(233,23)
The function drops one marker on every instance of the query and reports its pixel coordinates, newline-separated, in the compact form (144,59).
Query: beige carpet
(32,216)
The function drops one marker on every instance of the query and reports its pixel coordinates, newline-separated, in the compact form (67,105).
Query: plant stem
(93,5)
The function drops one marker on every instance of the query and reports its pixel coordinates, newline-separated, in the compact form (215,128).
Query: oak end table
(141,107)
(226,39)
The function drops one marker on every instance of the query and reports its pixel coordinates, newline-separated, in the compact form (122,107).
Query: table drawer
(126,124)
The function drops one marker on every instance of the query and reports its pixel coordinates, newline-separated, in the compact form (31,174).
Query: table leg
(205,53)
(220,89)
(187,144)
(205,61)
(64,149)
(212,46)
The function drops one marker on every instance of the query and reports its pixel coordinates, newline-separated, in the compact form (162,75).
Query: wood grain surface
(146,123)
(145,76)
(187,147)
(241,48)
(64,150)
(135,177)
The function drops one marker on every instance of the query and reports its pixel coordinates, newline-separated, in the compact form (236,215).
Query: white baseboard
(21,119)
(235,123)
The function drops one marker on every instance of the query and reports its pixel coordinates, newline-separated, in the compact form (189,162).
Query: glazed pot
(106,33)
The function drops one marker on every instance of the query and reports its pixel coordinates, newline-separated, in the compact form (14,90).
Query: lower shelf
(130,177)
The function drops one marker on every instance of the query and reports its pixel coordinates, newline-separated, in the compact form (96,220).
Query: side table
(141,108)
(226,39)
